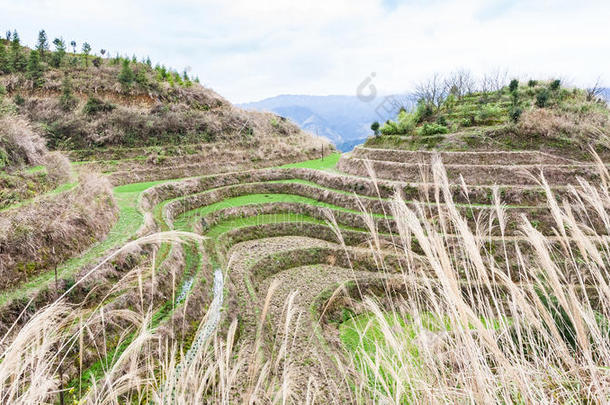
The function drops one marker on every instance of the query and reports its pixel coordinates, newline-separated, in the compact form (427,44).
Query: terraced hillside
(137,121)
(534,115)
(211,260)
(292,253)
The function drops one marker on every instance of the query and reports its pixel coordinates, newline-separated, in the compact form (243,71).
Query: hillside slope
(536,115)
(85,102)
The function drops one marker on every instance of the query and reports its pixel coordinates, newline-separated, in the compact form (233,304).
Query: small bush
(58,166)
(4,158)
(375,128)
(441,120)
(555,84)
(532,83)
(423,111)
(433,129)
(94,105)
(126,76)
(19,100)
(542,98)
(489,113)
(514,85)
(142,79)
(389,128)
(67,101)
(406,122)
(515,113)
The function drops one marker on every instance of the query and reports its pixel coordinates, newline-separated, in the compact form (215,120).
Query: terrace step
(461,158)
(555,174)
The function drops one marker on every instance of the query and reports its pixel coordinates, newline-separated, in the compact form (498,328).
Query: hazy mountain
(345,120)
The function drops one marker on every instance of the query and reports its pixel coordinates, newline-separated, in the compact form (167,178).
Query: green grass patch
(230,224)
(255,199)
(364,338)
(327,162)
(36,169)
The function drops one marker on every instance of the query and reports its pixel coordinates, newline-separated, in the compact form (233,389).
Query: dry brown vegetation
(19,144)
(22,148)
(37,236)
(577,126)
(152,112)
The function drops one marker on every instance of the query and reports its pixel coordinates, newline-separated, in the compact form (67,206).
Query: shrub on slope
(21,150)
(19,144)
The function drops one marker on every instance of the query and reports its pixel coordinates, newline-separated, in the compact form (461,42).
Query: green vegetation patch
(253,199)
(539,115)
(327,162)
(367,337)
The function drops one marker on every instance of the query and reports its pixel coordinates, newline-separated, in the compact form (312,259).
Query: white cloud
(249,50)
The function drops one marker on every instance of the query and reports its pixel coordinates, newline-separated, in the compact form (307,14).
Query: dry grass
(37,236)
(58,166)
(20,144)
(580,127)
(549,343)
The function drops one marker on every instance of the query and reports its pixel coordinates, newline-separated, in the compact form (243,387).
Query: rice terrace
(159,245)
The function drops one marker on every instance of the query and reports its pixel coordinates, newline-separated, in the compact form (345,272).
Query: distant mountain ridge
(344,120)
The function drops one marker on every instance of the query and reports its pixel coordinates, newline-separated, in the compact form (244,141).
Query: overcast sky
(247,50)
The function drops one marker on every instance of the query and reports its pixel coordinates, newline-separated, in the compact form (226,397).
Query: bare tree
(432,91)
(484,84)
(494,80)
(595,93)
(460,83)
